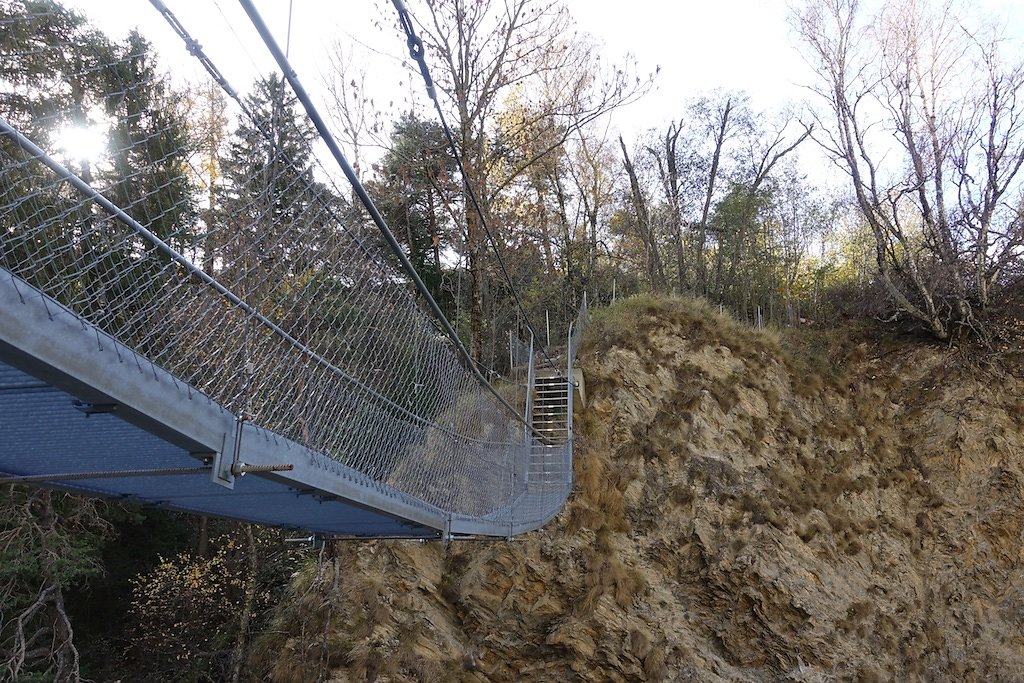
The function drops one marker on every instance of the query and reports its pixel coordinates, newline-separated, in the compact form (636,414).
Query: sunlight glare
(82,143)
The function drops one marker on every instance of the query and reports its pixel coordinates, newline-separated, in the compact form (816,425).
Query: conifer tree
(416,192)
(270,197)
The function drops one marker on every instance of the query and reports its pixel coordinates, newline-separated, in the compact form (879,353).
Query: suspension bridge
(222,331)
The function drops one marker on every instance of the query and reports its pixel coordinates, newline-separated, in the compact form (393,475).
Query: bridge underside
(56,373)
(44,433)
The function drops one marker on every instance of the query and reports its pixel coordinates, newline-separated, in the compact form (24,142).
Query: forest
(533,204)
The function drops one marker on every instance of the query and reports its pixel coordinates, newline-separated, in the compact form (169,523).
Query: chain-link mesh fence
(576,330)
(206,236)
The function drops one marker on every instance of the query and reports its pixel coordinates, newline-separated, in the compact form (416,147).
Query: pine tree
(270,197)
(416,187)
(58,73)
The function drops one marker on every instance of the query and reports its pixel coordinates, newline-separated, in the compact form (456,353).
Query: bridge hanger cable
(87,190)
(196,50)
(417,52)
(332,145)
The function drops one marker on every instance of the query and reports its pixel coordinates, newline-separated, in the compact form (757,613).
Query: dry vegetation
(749,506)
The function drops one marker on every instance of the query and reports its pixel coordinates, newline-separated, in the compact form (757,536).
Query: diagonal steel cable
(328,138)
(9,131)
(253,279)
(418,53)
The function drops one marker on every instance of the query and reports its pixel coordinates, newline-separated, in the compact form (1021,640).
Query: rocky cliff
(850,509)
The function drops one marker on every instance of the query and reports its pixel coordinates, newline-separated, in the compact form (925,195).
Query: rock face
(738,516)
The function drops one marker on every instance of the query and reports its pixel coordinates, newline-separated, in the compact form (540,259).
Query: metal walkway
(238,344)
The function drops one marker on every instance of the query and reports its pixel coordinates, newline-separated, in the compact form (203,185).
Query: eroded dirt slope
(738,516)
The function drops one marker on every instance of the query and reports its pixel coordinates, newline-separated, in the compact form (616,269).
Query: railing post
(529,394)
(569,385)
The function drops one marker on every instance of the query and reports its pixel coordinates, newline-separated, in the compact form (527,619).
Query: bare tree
(767,146)
(485,50)
(666,158)
(44,546)
(709,176)
(721,128)
(352,108)
(926,118)
(645,227)
(593,177)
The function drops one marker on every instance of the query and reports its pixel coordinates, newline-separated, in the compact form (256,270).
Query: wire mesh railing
(576,330)
(206,236)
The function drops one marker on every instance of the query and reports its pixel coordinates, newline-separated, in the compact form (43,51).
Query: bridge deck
(49,359)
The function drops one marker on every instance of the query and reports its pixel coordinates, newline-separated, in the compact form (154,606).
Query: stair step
(550,403)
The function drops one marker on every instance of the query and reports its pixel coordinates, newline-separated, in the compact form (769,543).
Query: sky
(698,45)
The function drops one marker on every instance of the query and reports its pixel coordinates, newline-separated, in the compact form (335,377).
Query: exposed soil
(850,509)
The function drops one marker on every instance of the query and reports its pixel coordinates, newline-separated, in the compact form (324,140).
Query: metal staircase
(550,412)
(551,408)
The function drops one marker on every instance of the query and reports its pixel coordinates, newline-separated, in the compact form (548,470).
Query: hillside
(851,510)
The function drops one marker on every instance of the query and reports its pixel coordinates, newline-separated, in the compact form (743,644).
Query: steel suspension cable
(196,50)
(417,52)
(87,190)
(332,145)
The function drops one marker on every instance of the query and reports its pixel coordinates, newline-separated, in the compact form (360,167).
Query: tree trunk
(702,228)
(248,604)
(204,536)
(476,284)
(655,270)
(435,240)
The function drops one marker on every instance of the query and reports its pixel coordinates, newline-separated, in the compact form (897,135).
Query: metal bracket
(314,540)
(94,408)
(221,473)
